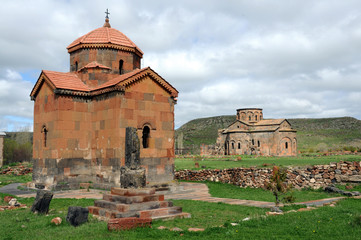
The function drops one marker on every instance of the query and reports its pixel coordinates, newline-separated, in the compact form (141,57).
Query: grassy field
(231,191)
(313,135)
(340,222)
(252,161)
(7,179)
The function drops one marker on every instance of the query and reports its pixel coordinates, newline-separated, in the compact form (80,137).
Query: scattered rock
(348,187)
(14,202)
(306,209)
(7,198)
(274,213)
(77,215)
(16,170)
(291,211)
(275,209)
(195,229)
(23,226)
(161,227)
(42,202)
(246,219)
(234,224)
(175,229)
(56,220)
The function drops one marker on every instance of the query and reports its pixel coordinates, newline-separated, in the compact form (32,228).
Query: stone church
(80,116)
(250,134)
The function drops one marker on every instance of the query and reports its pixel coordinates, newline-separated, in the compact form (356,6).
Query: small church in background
(80,116)
(250,134)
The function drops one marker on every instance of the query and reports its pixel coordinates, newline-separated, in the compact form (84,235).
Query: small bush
(356,222)
(15,152)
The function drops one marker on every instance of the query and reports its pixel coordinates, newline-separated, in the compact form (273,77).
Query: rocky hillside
(313,134)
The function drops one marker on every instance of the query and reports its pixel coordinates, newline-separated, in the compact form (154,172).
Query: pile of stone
(16,170)
(333,189)
(314,177)
(12,204)
(135,203)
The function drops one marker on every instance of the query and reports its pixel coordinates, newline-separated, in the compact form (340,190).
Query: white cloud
(16,108)
(294,59)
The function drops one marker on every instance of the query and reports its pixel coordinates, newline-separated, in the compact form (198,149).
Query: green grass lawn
(231,191)
(6,179)
(252,161)
(340,222)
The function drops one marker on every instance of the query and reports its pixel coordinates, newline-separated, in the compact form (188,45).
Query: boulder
(77,215)
(42,202)
(14,202)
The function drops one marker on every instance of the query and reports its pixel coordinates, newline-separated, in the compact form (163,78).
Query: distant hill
(319,134)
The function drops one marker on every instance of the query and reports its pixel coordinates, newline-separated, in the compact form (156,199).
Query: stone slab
(132,192)
(128,223)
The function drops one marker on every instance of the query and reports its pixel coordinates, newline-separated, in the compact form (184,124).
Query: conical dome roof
(105,37)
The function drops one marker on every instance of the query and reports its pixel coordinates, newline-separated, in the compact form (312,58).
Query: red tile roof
(69,81)
(105,35)
(72,82)
(94,64)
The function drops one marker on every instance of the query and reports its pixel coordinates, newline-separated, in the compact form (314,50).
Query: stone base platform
(139,203)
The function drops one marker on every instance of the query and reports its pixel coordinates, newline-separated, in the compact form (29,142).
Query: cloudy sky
(292,58)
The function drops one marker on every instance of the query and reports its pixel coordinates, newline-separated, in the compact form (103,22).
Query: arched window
(239,145)
(121,66)
(232,145)
(249,118)
(252,141)
(259,144)
(145,137)
(286,145)
(45,135)
(255,117)
(76,66)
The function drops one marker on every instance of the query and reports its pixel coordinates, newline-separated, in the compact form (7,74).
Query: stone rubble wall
(314,177)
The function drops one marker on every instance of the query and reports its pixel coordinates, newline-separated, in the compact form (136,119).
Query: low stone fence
(300,177)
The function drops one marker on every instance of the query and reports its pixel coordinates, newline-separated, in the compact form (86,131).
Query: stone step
(172,216)
(120,207)
(110,214)
(133,199)
(159,212)
(132,191)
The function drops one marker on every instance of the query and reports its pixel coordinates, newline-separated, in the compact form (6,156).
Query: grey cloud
(294,59)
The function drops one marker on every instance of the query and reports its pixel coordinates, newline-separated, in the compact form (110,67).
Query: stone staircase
(140,203)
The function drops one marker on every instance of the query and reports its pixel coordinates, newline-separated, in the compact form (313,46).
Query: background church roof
(270,122)
(104,35)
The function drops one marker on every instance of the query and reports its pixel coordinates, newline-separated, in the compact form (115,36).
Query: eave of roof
(71,84)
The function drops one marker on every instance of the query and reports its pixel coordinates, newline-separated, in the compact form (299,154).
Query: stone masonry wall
(85,139)
(300,177)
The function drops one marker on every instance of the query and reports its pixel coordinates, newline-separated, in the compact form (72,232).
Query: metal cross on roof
(107,13)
